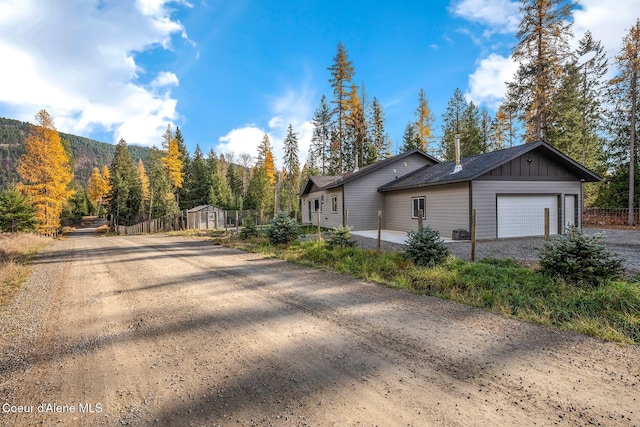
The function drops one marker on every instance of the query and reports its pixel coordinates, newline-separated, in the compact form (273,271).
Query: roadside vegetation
(608,309)
(16,249)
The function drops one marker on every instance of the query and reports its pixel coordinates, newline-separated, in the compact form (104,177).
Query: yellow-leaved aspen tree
(144,182)
(424,122)
(95,186)
(172,161)
(46,173)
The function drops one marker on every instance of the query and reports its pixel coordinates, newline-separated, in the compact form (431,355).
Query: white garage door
(522,215)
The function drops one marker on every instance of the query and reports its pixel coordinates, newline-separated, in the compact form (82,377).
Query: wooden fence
(157,225)
(604,217)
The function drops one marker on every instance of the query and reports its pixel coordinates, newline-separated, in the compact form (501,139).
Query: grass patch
(610,312)
(16,249)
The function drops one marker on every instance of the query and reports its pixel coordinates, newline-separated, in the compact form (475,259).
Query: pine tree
(291,181)
(162,201)
(342,72)
(197,181)
(379,138)
(424,122)
(219,190)
(410,138)
(126,190)
(542,51)
(320,150)
(625,89)
(453,124)
(16,214)
(185,159)
(46,173)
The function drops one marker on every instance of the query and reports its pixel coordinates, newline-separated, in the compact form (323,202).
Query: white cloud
(487,83)
(500,16)
(76,58)
(292,107)
(609,22)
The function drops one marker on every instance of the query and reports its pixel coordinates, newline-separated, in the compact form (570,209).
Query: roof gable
(483,165)
(316,183)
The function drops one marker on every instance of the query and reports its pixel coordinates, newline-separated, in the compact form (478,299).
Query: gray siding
(361,195)
(484,199)
(327,218)
(447,208)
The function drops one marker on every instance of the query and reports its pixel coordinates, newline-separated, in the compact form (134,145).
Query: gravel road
(155,330)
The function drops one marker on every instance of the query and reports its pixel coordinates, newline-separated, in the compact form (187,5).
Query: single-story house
(205,217)
(509,189)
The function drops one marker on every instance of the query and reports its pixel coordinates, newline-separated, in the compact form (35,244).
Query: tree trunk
(632,149)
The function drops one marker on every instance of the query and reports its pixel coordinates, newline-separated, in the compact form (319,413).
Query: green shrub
(425,248)
(249,230)
(283,229)
(579,259)
(340,237)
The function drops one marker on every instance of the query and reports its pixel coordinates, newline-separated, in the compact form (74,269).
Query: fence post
(546,223)
(379,228)
(237,224)
(473,235)
(420,220)
(318,219)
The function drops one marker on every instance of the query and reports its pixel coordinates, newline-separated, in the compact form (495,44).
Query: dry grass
(15,252)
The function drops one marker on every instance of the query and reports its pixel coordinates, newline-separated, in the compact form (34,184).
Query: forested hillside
(85,153)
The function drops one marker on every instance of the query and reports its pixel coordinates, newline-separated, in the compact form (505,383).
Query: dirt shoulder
(172,331)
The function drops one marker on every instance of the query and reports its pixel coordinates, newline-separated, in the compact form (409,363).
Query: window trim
(334,204)
(316,206)
(415,208)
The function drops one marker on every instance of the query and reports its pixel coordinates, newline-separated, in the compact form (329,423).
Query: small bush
(249,230)
(579,260)
(283,230)
(340,237)
(425,248)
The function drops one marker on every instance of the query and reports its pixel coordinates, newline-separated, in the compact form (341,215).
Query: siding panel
(362,197)
(447,208)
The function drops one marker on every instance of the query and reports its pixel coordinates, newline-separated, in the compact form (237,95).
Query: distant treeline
(85,153)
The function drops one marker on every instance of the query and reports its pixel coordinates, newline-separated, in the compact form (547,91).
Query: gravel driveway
(625,243)
(171,331)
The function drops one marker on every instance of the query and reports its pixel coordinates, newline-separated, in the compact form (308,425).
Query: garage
(523,215)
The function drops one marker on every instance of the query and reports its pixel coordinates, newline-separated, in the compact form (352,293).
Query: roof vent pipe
(458,166)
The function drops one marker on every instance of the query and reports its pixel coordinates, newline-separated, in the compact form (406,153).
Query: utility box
(461,234)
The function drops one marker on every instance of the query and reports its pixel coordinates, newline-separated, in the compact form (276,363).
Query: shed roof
(475,166)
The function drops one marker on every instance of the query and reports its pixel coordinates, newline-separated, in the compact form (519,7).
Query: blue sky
(227,72)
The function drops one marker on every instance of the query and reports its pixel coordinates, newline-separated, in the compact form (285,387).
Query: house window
(316,205)
(418,203)
(334,204)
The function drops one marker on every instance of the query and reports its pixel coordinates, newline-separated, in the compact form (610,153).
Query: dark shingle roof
(350,176)
(475,166)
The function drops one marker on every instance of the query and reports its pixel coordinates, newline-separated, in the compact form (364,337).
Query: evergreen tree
(197,181)
(162,201)
(291,181)
(342,72)
(542,51)
(624,118)
(453,124)
(320,150)
(126,190)
(379,139)
(16,214)
(219,191)
(46,173)
(172,161)
(410,139)
(185,159)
